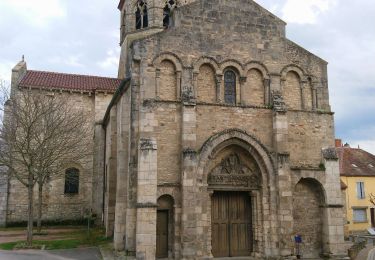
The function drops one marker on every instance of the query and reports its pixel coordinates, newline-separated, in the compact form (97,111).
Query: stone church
(216,140)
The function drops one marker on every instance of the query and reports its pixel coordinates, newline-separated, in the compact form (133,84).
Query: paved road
(66,254)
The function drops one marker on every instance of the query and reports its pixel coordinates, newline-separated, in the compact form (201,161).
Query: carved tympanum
(231,172)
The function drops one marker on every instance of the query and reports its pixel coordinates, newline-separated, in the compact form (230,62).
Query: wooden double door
(231,224)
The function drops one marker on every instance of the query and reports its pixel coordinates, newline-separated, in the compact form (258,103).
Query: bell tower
(140,18)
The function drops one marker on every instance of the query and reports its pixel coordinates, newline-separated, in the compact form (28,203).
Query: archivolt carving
(231,172)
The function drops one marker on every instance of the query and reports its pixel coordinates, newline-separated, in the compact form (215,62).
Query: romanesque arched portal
(237,175)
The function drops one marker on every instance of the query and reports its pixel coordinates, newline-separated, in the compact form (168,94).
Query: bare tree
(41,132)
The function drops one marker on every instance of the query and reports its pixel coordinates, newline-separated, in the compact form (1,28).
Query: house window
(71,181)
(141,17)
(230,87)
(361,190)
(360,215)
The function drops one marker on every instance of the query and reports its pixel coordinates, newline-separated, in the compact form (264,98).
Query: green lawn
(73,239)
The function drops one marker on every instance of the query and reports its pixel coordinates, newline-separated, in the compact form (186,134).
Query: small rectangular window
(361,190)
(359,215)
(71,181)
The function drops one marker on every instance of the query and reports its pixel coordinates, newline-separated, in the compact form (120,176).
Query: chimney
(338,143)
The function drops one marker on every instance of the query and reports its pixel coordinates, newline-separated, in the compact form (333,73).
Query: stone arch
(173,90)
(168,56)
(206,60)
(234,64)
(310,222)
(263,197)
(259,66)
(292,80)
(165,226)
(301,73)
(254,90)
(243,139)
(206,83)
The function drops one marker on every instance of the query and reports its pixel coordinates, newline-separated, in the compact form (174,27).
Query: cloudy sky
(82,37)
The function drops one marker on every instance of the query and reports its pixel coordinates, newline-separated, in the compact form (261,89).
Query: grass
(72,239)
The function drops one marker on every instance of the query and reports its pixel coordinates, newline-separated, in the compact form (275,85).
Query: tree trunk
(40,205)
(30,212)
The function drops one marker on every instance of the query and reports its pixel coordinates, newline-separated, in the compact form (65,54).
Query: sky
(83,37)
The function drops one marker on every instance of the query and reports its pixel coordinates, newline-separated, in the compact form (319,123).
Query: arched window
(168,8)
(71,181)
(230,87)
(141,18)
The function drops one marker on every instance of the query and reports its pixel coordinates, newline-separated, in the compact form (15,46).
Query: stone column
(123,134)
(195,83)
(111,174)
(304,88)
(219,79)
(98,174)
(283,179)
(157,83)
(146,199)
(314,96)
(242,90)
(189,217)
(333,222)
(267,92)
(178,79)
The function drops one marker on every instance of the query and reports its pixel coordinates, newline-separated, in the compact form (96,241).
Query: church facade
(219,140)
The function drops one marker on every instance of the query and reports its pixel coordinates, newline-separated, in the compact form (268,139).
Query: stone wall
(56,204)
(3,197)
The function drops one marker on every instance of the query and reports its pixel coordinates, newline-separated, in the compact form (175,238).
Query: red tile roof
(53,80)
(355,162)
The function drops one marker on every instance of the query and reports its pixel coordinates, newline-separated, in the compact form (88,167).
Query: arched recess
(256,89)
(206,79)
(165,225)
(309,216)
(257,181)
(168,69)
(292,79)
(206,84)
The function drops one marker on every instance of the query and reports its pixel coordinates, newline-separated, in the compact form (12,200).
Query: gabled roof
(355,162)
(64,81)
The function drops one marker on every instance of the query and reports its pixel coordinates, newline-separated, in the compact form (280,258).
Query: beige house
(219,140)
